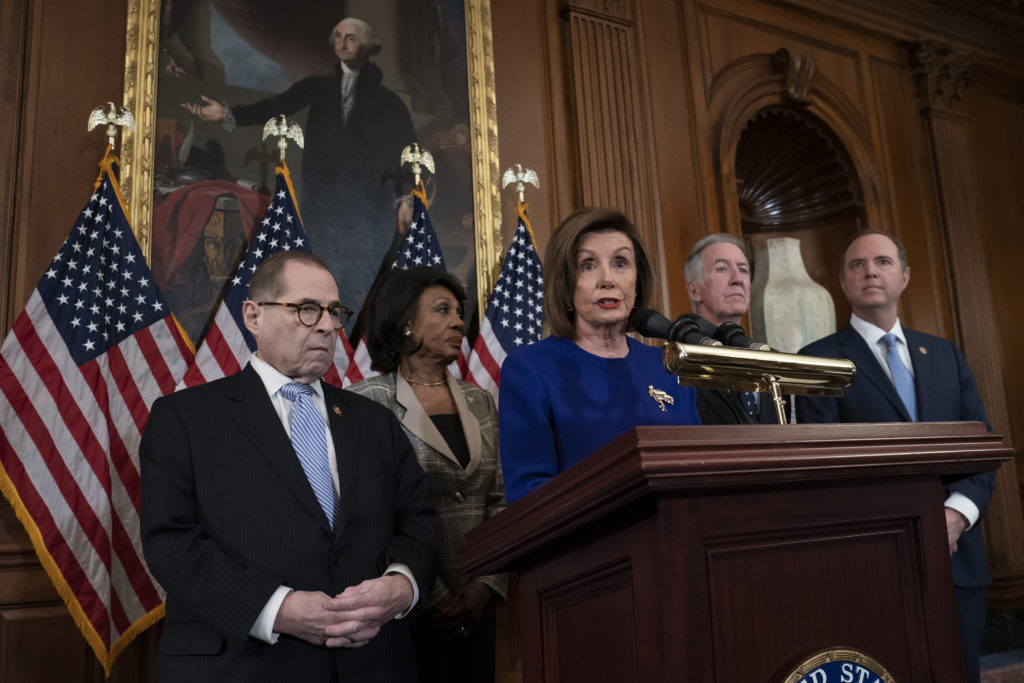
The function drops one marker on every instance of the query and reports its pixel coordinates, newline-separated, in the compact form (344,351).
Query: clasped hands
(351,618)
(455,615)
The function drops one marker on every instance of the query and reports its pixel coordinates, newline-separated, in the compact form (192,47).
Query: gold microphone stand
(722,367)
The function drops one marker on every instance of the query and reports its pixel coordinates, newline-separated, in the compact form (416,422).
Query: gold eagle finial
(419,159)
(279,126)
(112,119)
(520,176)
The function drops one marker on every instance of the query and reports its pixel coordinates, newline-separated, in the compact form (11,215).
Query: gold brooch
(660,397)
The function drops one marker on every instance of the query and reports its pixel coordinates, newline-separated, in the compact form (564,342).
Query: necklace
(424,384)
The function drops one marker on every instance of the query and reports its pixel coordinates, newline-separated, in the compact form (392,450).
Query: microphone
(732,334)
(690,328)
(650,323)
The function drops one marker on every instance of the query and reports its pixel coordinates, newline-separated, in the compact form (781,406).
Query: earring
(407,333)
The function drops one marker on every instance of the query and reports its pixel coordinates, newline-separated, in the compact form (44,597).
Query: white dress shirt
(273,380)
(348,90)
(872,335)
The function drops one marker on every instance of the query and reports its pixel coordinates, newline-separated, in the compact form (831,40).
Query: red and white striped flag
(94,347)
(227,346)
(515,312)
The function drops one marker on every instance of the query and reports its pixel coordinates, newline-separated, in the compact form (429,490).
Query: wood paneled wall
(634,103)
(942,179)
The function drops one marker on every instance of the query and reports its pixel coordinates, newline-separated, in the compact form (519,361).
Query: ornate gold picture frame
(138,152)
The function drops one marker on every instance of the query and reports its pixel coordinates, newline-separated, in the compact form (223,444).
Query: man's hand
(360,611)
(212,110)
(305,615)
(457,614)
(956,523)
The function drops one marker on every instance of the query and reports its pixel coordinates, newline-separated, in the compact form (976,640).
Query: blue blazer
(946,391)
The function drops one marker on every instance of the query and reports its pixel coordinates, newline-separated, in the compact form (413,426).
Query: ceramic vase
(788,310)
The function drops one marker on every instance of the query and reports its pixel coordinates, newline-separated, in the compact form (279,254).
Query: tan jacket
(464,497)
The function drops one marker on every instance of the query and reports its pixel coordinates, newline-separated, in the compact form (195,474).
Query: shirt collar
(346,69)
(872,333)
(273,380)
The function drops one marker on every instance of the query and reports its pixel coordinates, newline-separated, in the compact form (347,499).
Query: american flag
(419,248)
(227,346)
(515,314)
(94,347)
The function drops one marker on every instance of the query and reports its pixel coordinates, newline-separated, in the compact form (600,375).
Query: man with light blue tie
(909,376)
(288,520)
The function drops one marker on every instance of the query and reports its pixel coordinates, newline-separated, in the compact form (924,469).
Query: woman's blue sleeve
(525,427)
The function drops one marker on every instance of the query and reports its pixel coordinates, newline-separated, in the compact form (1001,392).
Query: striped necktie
(309,438)
(901,376)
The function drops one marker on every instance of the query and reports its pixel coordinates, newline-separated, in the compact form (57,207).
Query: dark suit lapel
(257,418)
(868,369)
(344,431)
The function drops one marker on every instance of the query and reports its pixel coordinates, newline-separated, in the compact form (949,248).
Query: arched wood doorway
(795,178)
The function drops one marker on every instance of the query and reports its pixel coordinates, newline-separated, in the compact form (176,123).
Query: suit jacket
(464,497)
(228,516)
(721,407)
(946,391)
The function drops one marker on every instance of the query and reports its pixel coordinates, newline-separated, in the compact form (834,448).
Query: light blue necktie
(309,438)
(901,376)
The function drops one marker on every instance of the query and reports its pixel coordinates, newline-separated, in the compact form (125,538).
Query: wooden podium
(729,554)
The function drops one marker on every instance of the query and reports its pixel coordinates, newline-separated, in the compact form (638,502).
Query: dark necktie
(750,402)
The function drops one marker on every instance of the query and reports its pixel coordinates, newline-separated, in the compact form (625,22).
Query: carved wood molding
(992,32)
(799,72)
(140,74)
(809,180)
(761,81)
(621,11)
(609,116)
(940,72)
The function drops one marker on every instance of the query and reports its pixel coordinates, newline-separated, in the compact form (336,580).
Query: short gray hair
(694,270)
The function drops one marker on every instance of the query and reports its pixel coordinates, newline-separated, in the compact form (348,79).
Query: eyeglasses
(309,313)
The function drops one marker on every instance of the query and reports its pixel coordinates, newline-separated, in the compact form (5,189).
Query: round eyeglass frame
(344,313)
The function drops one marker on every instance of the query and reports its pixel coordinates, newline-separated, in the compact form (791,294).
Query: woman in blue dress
(567,395)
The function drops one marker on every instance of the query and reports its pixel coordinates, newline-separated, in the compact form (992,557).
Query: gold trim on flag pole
(282,169)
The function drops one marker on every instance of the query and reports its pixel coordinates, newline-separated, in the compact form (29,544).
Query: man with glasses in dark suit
(287,519)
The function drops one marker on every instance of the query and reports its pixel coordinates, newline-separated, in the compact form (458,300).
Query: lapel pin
(660,397)
(923,350)
(337,411)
